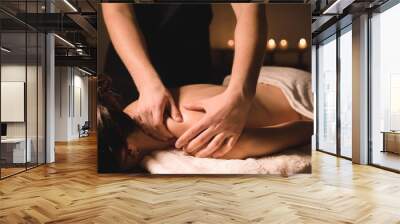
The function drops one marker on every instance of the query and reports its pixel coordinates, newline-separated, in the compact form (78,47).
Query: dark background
(285,21)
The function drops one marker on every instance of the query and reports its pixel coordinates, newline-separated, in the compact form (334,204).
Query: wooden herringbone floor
(70,191)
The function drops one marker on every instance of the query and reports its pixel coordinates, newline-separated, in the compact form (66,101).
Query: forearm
(264,141)
(129,43)
(250,40)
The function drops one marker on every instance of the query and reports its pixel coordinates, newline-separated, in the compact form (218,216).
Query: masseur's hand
(222,124)
(149,110)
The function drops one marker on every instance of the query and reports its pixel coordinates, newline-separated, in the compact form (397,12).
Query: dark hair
(113,128)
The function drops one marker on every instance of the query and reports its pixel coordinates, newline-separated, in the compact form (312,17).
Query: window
(22,101)
(327,96)
(14,153)
(346,93)
(334,62)
(385,88)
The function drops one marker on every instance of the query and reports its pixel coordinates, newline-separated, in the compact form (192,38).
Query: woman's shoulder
(189,94)
(196,92)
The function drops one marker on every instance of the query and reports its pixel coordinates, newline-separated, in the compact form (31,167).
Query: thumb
(130,112)
(175,113)
(197,106)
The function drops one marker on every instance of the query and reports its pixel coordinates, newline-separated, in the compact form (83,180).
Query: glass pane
(327,96)
(385,84)
(346,94)
(13,86)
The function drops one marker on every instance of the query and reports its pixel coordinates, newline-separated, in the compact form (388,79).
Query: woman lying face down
(272,126)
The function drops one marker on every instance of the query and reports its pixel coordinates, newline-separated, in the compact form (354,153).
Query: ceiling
(73,20)
(330,15)
(76,22)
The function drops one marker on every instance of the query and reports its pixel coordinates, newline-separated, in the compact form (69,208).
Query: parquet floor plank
(71,191)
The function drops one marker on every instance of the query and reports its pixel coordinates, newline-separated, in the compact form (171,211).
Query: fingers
(149,111)
(175,113)
(200,141)
(191,133)
(228,147)
(131,110)
(213,146)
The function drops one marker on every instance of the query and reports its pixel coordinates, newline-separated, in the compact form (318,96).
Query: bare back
(272,124)
(270,107)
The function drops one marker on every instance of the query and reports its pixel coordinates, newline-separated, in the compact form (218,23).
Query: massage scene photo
(204,89)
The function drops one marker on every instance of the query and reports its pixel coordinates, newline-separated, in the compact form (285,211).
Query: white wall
(80,110)
(16,73)
(71,94)
(61,103)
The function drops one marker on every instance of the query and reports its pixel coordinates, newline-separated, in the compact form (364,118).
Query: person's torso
(177,39)
(269,107)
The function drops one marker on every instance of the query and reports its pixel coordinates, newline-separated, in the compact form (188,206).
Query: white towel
(296,86)
(175,161)
(294,83)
